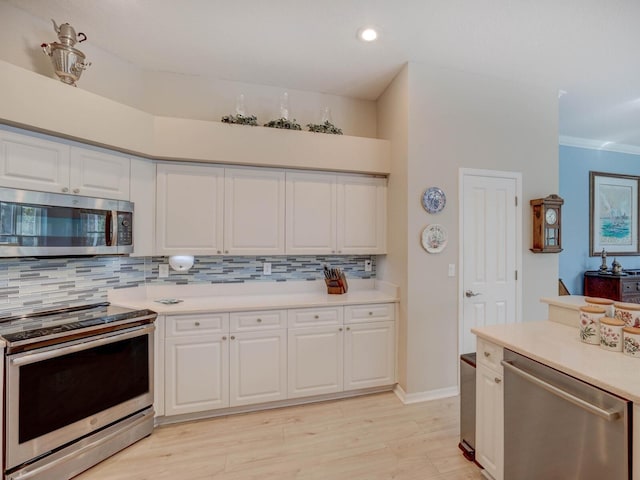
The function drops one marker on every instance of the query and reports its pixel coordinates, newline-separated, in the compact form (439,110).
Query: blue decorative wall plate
(433,200)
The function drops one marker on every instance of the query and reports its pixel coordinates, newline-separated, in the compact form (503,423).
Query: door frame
(471,172)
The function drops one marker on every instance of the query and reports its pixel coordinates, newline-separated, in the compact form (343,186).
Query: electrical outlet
(163,270)
(452,269)
(367,265)
(266,268)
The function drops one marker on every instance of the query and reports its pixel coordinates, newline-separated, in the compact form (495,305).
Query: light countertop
(558,346)
(239,297)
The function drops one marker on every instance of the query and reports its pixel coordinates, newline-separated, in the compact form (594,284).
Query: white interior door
(490,221)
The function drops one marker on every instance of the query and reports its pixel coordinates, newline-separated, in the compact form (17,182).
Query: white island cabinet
(489,409)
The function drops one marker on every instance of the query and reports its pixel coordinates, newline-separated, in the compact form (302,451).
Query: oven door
(61,393)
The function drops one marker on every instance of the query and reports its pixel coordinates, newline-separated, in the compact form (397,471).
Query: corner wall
(463,120)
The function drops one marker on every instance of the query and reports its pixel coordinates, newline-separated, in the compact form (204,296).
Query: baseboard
(408,398)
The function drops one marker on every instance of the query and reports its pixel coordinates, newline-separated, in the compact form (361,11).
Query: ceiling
(586,48)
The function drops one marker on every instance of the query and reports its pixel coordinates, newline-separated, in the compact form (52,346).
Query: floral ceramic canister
(589,324)
(629,313)
(631,341)
(611,334)
(605,303)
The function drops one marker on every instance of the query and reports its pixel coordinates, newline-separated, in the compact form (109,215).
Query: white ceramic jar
(629,313)
(631,341)
(589,325)
(611,334)
(605,303)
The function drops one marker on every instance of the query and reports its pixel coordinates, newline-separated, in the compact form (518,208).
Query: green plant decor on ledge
(326,127)
(284,123)
(241,120)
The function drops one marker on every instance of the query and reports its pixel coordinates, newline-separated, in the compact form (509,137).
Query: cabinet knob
(370,313)
(339,251)
(348,328)
(65,190)
(224,338)
(487,354)
(340,329)
(316,316)
(197,324)
(232,337)
(219,251)
(76,190)
(333,251)
(259,320)
(226,251)
(497,380)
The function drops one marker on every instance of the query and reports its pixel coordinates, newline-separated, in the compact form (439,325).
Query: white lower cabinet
(489,411)
(369,355)
(220,360)
(196,373)
(258,367)
(315,360)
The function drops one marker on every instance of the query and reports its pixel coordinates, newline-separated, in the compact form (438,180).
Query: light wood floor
(374,437)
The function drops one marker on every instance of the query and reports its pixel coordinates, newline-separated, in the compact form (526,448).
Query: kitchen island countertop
(558,346)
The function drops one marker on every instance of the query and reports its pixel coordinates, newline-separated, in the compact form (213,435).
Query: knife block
(337,286)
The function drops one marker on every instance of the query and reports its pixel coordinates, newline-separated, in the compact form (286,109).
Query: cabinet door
(254,211)
(99,174)
(143,196)
(489,421)
(189,209)
(310,213)
(362,215)
(369,355)
(258,367)
(33,163)
(315,359)
(196,374)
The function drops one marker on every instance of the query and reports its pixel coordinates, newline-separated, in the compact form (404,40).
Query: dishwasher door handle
(609,415)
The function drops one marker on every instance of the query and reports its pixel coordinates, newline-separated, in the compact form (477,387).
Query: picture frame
(613,214)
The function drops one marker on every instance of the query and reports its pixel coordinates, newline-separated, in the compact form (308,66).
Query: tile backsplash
(33,284)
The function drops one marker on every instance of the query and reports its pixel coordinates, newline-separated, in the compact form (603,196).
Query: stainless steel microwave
(51,224)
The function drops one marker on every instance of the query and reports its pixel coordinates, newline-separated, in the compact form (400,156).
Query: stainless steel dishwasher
(557,427)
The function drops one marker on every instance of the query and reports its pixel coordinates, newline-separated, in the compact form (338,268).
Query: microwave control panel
(125,228)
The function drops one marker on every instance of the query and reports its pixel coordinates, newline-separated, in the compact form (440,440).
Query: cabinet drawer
(380,312)
(308,317)
(631,287)
(184,325)
(258,320)
(489,355)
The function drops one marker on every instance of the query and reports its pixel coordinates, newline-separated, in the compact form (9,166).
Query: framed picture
(613,214)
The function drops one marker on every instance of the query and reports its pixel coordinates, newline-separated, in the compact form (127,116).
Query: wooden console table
(623,288)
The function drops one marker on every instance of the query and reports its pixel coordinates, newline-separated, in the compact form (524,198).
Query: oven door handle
(58,352)
(608,415)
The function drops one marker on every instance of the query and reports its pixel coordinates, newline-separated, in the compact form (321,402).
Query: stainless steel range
(78,388)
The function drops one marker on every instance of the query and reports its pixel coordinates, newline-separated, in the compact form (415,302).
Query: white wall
(463,120)
(171,94)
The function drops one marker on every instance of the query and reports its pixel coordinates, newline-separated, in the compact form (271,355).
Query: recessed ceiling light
(367,34)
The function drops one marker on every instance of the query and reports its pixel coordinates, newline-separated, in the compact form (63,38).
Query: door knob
(470,294)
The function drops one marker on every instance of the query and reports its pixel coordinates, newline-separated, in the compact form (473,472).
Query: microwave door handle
(110,227)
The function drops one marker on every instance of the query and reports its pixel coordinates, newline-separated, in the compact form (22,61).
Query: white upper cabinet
(335,214)
(254,211)
(99,174)
(34,163)
(362,215)
(311,213)
(189,209)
